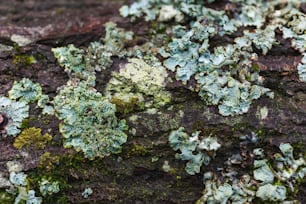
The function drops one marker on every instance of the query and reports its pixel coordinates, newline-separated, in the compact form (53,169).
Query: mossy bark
(136,175)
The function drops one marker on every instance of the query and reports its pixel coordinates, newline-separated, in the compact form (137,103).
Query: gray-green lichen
(196,150)
(16,112)
(47,187)
(27,91)
(89,123)
(83,64)
(270,182)
(226,75)
(88,119)
(87,192)
(19,185)
(302,68)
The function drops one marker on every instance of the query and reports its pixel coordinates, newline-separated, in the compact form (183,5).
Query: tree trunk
(136,175)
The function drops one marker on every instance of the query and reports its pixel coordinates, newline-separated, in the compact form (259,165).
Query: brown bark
(132,176)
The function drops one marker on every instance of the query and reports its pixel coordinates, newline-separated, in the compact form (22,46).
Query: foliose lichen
(225,75)
(302,68)
(19,186)
(196,150)
(270,182)
(88,119)
(47,187)
(89,123)
(83,64)
(32,137)
(16,112)
(27,91)
(138,84)
(87,192)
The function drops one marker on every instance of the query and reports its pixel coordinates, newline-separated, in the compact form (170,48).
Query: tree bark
(136,174)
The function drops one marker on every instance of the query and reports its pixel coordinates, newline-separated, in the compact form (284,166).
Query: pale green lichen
(217,86)
(139,85)
(89,123)
(47,187)
(196,150)
(25,90)
(271,192)
(83,64)
(155,9)
(301,67)
(262,113)
(18,179)
(19,182)
(269,183)
(29,92)
(87,192)
(189,53)
(16,112)
(88,119)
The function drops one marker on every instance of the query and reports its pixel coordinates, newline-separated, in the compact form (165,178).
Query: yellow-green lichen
(138,85)
(32,137)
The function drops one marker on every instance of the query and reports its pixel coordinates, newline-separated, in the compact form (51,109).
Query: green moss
(123,106)
(23,60)
(6,198)
(138,150)
(48,162)
(20,59)
(27,122)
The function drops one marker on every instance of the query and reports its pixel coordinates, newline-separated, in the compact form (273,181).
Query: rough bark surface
(132,176)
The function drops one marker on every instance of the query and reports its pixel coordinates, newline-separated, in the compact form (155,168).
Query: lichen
(84,63)
(19,184)
(32,137)
(16,112)
(88,119)
(271,182)
(190,56)
(87,192)
(89,123)
(196,150)
(301,67)
(27,91)
(135,85)
(189,53)
(47,187)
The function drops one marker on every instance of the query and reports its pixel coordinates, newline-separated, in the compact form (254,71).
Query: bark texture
(134,176)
